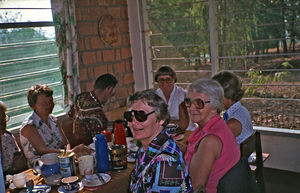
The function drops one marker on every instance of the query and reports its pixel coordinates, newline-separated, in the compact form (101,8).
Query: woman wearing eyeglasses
(13,160)
(160,164)
(173,95)
(212,149)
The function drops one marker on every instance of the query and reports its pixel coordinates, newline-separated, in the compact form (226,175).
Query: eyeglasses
(7,118)
(199,103)
(167,80)
(140,116)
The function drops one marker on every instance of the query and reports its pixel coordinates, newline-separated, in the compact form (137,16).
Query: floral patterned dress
(161,168)
(9,148)
(90,118)
(51,136)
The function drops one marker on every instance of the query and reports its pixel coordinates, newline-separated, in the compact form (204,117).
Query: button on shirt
(240,113)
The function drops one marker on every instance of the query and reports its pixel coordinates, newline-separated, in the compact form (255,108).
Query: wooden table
(119,182)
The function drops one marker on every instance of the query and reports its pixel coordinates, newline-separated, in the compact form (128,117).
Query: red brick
(128,66)
(80,44)
(125,53)
(89,86)
(104,2)
(81,3)
(83,74)
(108,55)
(110,69)
(119,68)
(96,42)
(115,12)
(125,39)
(121,91)
(118,54)
(85,28)
(128,78)
(94,13)
(124,12)
(89,57)
(124,26)
(78,14)
(93,2)
(91,73)
(99,57)
(84,14)
(99,70)
(87,44)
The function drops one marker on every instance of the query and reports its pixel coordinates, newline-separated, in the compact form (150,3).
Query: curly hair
(35,91)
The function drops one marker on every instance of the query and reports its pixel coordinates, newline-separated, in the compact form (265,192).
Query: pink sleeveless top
(230,154)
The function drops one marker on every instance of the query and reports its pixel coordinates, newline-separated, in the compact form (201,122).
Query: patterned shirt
(9,147)
(161,168)
(90,118)
(239,112)
(50,135)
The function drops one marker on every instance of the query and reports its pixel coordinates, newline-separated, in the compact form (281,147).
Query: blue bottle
(103,165)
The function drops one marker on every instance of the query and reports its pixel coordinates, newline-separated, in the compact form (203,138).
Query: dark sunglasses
(140,116)
(199,103)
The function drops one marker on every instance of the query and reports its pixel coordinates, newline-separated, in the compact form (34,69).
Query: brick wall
(97,57)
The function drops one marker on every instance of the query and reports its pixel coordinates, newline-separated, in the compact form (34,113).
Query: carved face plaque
(108,30)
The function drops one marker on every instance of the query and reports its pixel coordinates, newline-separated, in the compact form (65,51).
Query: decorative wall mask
(108,29)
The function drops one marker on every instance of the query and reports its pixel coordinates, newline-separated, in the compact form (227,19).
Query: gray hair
(150,97)
(212,89)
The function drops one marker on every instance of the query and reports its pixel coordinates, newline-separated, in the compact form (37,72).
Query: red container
(107,134)
(119,133)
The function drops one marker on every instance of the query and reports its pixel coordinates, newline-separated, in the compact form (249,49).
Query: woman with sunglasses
(212,149)
(173,95)
(160,164)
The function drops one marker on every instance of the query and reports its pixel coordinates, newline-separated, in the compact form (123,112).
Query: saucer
(94,181)
(62,190)
(38,188)
(53,180)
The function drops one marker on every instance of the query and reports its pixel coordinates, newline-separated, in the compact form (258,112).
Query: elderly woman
(13,160)
(160,164)
(212,149)
(173,95)
(236,116)
(40,133)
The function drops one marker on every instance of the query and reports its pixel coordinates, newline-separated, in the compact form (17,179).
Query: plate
(53,180)
(94,181)
(178,137)
(39,188)
(62,190)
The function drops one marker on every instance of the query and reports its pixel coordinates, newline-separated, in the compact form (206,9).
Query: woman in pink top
(212,149)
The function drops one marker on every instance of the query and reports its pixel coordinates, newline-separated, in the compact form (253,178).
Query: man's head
(104,87)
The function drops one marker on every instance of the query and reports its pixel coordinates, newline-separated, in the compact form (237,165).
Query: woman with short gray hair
(160,164)
(212,149)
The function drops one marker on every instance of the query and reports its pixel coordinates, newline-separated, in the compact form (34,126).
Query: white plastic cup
(19,180)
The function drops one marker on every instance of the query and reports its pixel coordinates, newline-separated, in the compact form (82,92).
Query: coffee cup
(19,180)
(85,163)
(70,183)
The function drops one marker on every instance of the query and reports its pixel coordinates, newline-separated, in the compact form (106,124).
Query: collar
(233,108)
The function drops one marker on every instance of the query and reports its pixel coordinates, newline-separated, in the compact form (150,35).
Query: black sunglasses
(199,103)
(140,116)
